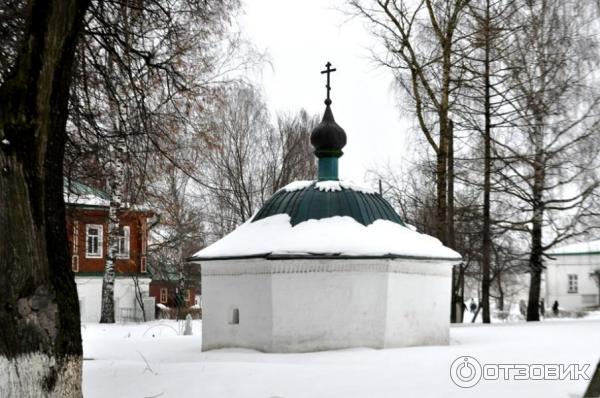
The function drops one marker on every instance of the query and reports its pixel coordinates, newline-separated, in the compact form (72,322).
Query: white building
(325,265)
(569,277)
(127,309)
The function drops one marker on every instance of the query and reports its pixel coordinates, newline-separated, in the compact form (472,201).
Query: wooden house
(87,227)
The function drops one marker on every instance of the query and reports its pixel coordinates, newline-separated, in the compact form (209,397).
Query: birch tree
(117,172)
(40,343)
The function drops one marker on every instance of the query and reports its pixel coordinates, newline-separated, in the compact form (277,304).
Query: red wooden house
(87,227)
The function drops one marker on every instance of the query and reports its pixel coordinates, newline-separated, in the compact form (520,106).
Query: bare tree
(180,230)
(419,39)
(236,175)
(247,158)
(40,343)
(550,154)
(292,155)
(481,107)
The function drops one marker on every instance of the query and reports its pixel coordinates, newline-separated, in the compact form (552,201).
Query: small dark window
(235,317)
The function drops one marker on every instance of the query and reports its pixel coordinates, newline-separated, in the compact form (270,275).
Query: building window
(123,247)
(75,263)
(93,241)
(163,295)
(573,286)
(235,317)
(75,237)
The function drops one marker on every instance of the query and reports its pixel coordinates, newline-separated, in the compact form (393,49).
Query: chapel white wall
(311,305)
(418,305)
(317,311)
(250,294)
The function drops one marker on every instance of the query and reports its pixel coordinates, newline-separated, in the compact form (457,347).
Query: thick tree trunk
(487,239)
(40,340)
(593,389)
(535,269)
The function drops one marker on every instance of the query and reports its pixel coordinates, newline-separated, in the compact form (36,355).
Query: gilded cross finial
(328,71)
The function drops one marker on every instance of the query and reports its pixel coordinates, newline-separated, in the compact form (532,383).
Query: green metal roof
(79,189)
(312,203)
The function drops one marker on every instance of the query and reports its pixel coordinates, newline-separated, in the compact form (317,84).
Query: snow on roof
(296,186)
(328,186)
(78,193)
(90,200)
(592,246)
(329,236)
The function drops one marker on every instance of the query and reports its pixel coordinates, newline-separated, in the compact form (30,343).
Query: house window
(572,286)
(163,295)
(93,241)
(75,237)
(187,295)
(75,263)
(123,247)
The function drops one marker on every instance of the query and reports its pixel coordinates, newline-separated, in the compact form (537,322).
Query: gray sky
(299,38)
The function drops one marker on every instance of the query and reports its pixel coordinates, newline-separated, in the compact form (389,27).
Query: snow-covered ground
(153,360)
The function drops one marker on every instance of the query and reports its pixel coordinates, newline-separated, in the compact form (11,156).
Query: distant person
(555,307)
(542,307)
(473,306)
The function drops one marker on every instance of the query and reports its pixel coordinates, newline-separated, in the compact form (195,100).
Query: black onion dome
(328,137)
(312,203)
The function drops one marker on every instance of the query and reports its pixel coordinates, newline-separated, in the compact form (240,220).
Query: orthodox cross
(328,71)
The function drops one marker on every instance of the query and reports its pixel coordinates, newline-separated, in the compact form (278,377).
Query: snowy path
(127,361)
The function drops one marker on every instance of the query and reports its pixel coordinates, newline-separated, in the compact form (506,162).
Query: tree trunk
(535,259)
(500,293)
(487,240)
(451,238)
(593,388)
(40,342)
(535,269)
(441,183)
(457,303)
(116,188)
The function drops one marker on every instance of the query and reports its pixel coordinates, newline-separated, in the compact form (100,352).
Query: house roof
(579,248)
(78,194)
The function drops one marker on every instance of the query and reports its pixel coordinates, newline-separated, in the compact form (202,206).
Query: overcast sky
(299,38)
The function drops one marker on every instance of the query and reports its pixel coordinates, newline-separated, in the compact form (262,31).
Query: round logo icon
(465,372)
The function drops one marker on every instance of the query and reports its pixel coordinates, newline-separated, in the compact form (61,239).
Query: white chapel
(325,265)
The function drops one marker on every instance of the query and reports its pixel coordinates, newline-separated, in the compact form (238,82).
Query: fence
(181,313)
(134,314)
